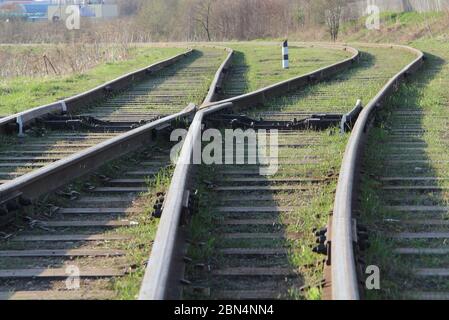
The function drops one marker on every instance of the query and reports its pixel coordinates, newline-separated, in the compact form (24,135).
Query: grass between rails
(426,92)
(340,93)
(128,287)
(312,208)
(21,93)
(138,250)
(260,65)
(207,78)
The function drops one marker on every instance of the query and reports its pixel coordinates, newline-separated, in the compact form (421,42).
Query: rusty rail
(165,267)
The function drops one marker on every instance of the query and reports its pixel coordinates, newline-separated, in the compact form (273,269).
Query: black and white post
(285,55)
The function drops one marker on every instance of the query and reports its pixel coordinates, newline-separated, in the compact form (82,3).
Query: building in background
(29,10)
(102,9)
(55,10)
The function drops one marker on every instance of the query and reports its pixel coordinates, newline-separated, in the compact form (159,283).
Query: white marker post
(63,106)
(285,55)
(19,121)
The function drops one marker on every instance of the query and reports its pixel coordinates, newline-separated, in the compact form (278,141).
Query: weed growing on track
(143,233)
(261,65)
(127,287)
(340,93)
(312,209)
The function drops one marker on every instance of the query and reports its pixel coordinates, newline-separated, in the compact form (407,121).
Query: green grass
(403,27)
(340,94)
(138,250)
(22,93)
(407,19)
(398,19)
(261,65)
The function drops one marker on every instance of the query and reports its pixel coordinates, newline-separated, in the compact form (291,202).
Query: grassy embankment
(399,28)
(394,28)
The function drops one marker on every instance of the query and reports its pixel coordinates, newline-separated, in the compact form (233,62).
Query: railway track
(164,93)
(253,221)
(253,236)
(80,242)
(85,240)
(411,176)
(339,94)
(258,67)
(161,280)
(348,237)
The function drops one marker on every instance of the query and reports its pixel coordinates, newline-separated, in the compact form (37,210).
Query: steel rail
(159,282)
(100,92)
(215,86)
(59,173)
(344,282)
(165,267)
(170,238)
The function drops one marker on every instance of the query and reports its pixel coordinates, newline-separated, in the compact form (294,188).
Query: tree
(203,17)
(332,12)
(156,18)
(333,17)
